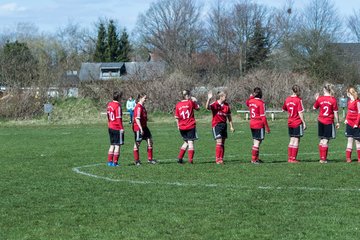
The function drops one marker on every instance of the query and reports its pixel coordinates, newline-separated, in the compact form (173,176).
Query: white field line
(209,185)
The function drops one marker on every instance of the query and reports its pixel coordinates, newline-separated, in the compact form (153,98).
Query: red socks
(191,155)
(150,153)
(136,154)
(181,153)
(110,156)
(348,154)
(219,152)
(254,153)
(323,151)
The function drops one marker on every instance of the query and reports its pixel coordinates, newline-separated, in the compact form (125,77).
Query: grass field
(55,185)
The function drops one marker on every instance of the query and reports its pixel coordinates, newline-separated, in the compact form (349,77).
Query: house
(121,70)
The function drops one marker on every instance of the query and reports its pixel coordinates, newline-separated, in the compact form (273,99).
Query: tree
(18,66)
(220,36)
(112,43)
(171,28)
(100,51)
(124,47)
(319,27)
(245,16)
(353,23)
(259,47)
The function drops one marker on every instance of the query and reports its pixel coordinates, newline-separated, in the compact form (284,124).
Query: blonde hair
(220,94)
(352,92)
(329,88)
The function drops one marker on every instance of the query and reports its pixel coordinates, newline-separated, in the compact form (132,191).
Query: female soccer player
(116,129)
(328,111)
(296,123)
(185,120)
(352,122)
(221,113)
(141,131)
(258,122)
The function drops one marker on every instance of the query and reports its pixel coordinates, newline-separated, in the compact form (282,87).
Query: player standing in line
(185,120)
(258,122)
(221,113)
(116,129)
(296,123)
(352,122)
(328,111)
(141,131)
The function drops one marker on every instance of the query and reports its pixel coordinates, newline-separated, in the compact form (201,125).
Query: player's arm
(357,124)
(247,101)
(196,104)
(210,95)
(137,119)
(301,115)
(230,122)
(263,118)
(336,116)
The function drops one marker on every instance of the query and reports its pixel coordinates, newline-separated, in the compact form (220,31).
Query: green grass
(44,196)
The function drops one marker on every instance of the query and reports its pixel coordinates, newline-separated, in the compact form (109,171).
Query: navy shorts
(258,134)
(116,137)
(220,131)
(326,131)
(189,135)
(296,132)
(146,135)
(352,132)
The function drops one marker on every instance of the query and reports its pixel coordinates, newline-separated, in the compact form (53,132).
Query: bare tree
(353,23)
(246,15)
(310,46)
(220,36)
(171,28)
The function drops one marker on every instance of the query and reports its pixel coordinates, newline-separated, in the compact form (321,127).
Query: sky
(50,15)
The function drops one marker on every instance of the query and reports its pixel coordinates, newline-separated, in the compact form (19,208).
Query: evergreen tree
(19,68)
(124,47)
(259,47)
(112,43)
(100,51)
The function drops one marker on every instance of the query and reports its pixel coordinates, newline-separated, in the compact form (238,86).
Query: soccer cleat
(110,164)
(323,161)
(220,162)
(293,161)
(152,161)
(180,161)
(115,164)
(137,163)
(256,161)
(191,161)
(348,160)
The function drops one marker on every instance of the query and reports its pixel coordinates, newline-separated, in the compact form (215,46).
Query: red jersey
(353,113)
(114,115)
(139,113)
(219,112)
(293,105)
(328,105)
(257,113)
(184,112)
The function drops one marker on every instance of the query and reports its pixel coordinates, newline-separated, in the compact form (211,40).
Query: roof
(140,70)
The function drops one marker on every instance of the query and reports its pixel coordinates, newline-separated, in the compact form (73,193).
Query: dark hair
(140,95)
(296,89)
(257,92)
(185,93)
(117,95)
